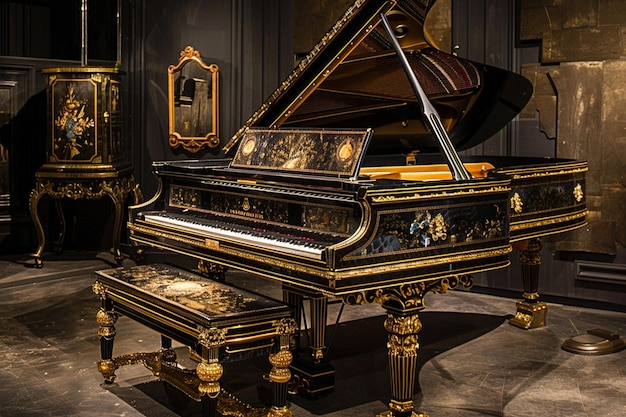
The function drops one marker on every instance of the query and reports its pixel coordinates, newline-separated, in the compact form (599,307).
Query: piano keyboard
(306,246)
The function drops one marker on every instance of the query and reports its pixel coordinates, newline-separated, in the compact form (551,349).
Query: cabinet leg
(58,244)
(33,204)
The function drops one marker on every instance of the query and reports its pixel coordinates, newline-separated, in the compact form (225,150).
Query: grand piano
(346,183)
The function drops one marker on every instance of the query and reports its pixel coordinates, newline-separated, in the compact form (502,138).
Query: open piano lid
(353,79)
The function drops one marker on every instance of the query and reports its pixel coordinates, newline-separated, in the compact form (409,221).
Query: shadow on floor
(358,353)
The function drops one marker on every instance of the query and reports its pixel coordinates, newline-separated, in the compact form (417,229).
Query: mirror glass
(193,102)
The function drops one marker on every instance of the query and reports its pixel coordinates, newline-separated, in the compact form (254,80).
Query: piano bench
(215,320)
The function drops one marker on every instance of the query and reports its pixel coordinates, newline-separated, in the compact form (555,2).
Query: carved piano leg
(403,324)
(313,374)
(402,353)
(530,312)
(319,314)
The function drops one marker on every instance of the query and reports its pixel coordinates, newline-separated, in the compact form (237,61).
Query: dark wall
(249,40)
(488,31)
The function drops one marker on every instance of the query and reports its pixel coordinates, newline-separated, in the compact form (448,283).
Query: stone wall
(580,97)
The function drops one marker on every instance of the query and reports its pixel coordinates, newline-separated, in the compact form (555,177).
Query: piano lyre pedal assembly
(306,196)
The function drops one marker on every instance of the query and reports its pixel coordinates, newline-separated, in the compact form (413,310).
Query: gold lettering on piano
(258,216)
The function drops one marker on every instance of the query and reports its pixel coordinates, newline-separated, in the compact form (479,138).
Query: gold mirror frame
(193,119)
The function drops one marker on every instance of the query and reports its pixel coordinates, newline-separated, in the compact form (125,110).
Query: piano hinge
(411,158)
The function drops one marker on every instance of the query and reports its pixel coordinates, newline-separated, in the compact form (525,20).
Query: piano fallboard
(359,234)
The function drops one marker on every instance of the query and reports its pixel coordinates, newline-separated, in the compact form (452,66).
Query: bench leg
(280,375)
(209,371)
(106,319)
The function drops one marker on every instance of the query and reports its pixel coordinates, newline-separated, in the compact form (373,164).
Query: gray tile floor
(472,362)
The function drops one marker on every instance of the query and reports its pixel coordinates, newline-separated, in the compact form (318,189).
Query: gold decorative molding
(331,276)
(516,203)
(433,194)
(212,337)
(578,193)
(408,296)
(515,226)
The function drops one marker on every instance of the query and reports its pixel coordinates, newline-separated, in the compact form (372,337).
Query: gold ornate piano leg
(403,324)
(530,312)
(402,353)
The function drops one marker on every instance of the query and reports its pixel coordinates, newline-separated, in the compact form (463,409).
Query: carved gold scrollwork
(438,228)
(403,325)
(99,289)
(516,203)
(403,345)
(91,190)
(213,337)
(286,326)
(578,193)
(408,296)
(212,270)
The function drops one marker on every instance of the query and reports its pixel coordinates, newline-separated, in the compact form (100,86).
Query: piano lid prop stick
(458,170)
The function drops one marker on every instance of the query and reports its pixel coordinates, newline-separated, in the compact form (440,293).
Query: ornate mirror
(193,102)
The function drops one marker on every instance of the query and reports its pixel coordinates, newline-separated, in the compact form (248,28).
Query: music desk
(216,321)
